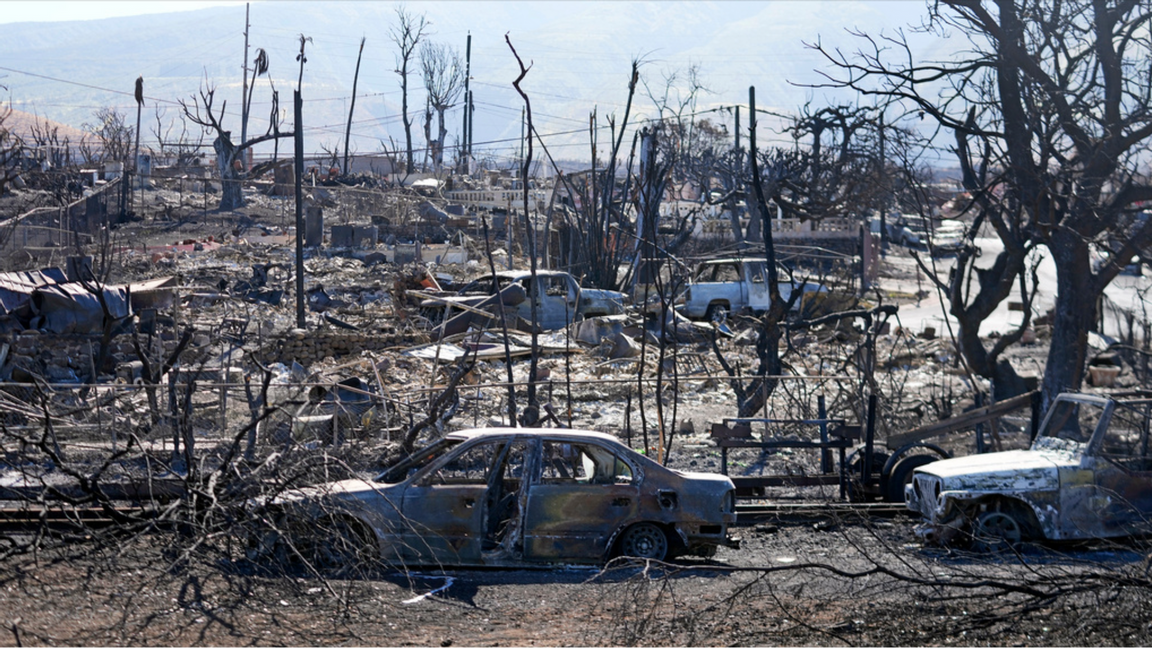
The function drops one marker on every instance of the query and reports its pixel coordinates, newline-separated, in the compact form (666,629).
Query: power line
(89,86)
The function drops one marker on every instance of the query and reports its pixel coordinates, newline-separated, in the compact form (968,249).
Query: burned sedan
(1088,474)
(492,497)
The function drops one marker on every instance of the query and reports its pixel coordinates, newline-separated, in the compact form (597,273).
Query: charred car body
(501,497)
(1088,474)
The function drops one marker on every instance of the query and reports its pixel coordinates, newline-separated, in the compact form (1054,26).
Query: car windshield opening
(414,462)
(1073,421)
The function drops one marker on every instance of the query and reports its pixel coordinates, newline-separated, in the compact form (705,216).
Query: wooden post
(979,426)
(825,453)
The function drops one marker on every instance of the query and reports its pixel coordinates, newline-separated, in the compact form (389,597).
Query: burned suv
(1088,474)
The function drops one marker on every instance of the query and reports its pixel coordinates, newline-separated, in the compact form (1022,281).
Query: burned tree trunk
(231,193)
(1067,353)
(768,339)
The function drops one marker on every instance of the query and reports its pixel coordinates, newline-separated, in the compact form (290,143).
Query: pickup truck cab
(1088,474)
(723,286)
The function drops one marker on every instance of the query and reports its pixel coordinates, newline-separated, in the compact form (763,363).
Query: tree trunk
(442,130)
(1073,318)
(409,166)
(231,195)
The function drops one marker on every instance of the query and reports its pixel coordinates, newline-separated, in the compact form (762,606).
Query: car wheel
(644,540)
(901,475)
(995,531)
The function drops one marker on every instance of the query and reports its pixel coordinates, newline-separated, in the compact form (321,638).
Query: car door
(443,510)
(756,284)
(552,303)
(1123,476)
(580,494)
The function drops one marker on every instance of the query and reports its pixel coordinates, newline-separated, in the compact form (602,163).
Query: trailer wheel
(901,475)
(856,490)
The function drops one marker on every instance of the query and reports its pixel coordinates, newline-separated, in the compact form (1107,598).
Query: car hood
(1000,471)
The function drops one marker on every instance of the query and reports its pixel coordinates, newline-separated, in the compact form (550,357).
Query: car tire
(996,531)
(644,540)
(901,475)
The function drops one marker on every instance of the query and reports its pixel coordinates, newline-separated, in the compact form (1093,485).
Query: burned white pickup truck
(723,286)
(560,299)
(1088,474)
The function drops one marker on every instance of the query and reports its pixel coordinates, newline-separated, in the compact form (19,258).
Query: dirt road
(818,581)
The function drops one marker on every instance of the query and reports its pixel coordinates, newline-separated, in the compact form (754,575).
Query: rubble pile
(398,295)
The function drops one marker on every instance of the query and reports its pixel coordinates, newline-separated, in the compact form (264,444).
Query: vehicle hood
(1000,471)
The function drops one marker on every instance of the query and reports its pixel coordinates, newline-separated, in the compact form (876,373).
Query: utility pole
(298,137)
(244,86)
(466,149)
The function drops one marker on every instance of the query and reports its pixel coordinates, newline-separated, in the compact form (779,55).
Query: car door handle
(621,501)
(469,502)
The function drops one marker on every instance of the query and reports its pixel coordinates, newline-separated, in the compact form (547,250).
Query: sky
(579,53)
(59,10)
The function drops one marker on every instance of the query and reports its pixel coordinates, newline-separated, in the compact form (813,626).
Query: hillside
(23,124)
(580,55)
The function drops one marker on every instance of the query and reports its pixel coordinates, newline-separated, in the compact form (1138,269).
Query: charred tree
(202,111)
(1056,100)
(406,35)
(443,75)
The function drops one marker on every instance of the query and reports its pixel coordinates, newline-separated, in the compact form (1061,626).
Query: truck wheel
(995,531)
(716,312)
(901,475)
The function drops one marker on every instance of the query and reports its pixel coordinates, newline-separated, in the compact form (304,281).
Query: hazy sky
(579,54)
(56,10)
